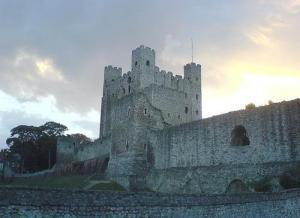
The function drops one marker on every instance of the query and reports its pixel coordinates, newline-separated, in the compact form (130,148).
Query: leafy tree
(82,139)
(35,145)
(54,129)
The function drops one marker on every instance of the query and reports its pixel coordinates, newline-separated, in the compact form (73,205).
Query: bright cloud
(45,109)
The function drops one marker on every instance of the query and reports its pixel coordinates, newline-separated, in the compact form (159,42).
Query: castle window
(145,146)
(197,112)
(197,96)
(186,110)
(136,63)
(148,63)
(129,89)
(239,136)
(127,146)
(129,80)
(128,112)
(145,111)
(185,95)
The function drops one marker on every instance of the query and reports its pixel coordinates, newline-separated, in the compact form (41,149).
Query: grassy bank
(65,182)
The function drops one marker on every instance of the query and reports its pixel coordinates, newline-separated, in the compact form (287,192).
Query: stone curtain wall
(69,150)
(61,203)
(274,133)
(214,179)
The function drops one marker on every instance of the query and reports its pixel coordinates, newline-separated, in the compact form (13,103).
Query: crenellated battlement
(112,74)
(184,91)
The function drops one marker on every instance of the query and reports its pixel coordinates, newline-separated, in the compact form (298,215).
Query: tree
(35,145)
(82,139)
(54,129)
(250,106)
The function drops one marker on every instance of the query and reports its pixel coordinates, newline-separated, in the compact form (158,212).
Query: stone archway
(237,186)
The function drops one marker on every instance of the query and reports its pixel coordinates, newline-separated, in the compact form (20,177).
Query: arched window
(136,63)
(186,110)
(148,63)
(145,111)
(239,136)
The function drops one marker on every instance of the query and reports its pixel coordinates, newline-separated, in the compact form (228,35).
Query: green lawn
(113,186)
(65,182)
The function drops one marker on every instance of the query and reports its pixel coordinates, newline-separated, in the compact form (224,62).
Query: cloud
(43,109)
(52,53)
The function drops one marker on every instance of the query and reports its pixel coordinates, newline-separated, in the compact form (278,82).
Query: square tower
(143,65)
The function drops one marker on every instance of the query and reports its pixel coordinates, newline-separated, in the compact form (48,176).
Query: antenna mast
(192,50)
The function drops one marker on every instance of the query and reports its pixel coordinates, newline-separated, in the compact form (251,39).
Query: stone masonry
(153,133)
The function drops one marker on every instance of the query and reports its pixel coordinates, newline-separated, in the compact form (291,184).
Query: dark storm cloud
(60,48)
(81,37)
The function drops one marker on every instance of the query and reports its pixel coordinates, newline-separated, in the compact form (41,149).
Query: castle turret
(143,65)
(192,73)
(112,76)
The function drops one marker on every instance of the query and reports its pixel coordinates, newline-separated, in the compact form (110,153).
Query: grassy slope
(66,182)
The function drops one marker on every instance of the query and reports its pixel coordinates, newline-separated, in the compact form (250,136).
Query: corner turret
(143,65)
(192,72)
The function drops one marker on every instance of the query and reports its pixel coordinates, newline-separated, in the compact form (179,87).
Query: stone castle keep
(152,135)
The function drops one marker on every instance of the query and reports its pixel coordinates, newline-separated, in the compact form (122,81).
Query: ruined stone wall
(176,106)
(132,117)
(215,179)
(62,203)
(274,133)
(70,150)
(198,157)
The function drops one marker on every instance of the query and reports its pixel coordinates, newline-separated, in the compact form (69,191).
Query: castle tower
(192,72)
(112,76)
(143,65)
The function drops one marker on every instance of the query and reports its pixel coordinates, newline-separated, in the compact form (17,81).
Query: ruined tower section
(143,65)
(111,88)
(192,73)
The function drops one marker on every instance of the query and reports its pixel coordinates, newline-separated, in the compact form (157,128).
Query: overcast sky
(52,53)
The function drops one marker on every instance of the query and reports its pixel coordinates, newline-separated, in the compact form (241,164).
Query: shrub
(291,178)
(250,106)
(263,185)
